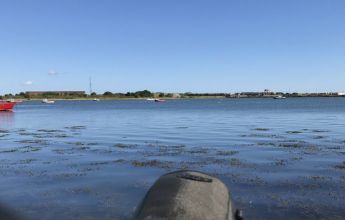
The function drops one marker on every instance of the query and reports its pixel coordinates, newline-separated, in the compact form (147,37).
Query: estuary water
(281,159)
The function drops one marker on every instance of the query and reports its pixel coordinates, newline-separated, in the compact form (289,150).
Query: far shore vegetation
(144,94)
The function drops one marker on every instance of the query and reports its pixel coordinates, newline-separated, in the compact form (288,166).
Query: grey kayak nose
(186,195)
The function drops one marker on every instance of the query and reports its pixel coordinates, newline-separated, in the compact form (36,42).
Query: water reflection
(6,118)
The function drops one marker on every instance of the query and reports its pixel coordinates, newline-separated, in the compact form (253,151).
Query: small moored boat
(14,100)
(159,100)
(279,97)
(6,105)
(48,101)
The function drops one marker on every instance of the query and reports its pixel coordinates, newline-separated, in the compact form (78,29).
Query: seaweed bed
(260,163)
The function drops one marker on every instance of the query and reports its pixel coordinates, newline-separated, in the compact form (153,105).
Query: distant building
(251,94)
(176,95)
(55,93)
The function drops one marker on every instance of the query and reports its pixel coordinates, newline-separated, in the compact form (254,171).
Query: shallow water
(281,159)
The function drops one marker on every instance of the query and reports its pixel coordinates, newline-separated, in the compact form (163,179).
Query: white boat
(159,100)
(96,100)
(279,97)
(14,100)
(150,99)
(48,101)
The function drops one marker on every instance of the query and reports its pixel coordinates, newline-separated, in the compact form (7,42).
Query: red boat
(7,105)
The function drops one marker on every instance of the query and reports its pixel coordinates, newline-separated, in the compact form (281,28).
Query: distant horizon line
(237,92)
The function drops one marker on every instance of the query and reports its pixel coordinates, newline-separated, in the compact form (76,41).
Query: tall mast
(90,84)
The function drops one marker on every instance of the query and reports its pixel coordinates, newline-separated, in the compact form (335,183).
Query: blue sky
(172,45)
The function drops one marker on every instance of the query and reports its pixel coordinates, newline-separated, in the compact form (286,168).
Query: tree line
(107,94)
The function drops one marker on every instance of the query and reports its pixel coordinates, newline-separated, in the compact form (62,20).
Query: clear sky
(172,45)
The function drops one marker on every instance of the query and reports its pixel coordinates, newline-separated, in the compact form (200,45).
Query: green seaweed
(2,131)
(227,153)
(340,166)
(151,163)
(261,129)
(49,130)
(119,145)
(294,132)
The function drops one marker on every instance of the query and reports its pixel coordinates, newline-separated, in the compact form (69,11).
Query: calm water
(281,159)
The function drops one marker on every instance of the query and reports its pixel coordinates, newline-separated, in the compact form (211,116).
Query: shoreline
(165,98)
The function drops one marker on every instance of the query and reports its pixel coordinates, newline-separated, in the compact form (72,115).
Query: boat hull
(186,195)
(46,101)
(159,100)
(7,106)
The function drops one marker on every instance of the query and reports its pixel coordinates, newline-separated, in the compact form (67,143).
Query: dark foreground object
(7,214)
(186,195)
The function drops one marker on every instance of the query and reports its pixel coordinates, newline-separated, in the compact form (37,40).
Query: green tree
(26,95)
(108,93)
(144,93)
